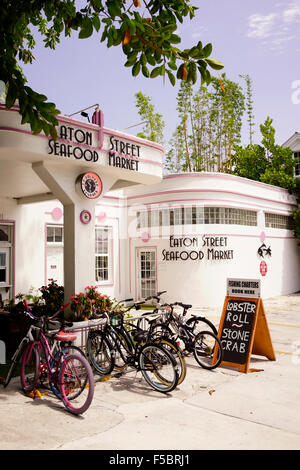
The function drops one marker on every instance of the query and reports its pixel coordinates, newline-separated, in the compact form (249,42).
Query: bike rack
(82,328)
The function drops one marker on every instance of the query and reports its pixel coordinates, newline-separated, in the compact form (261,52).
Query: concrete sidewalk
(220,409)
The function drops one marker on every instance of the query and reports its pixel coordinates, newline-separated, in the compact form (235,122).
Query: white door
(147,272)
(55,264)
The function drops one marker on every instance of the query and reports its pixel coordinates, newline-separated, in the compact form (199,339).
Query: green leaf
(207,50)
(96,23)
(113,8)
(174,39)
(145,71)
(171,77)
(11,96)
(53,132)
(215,64)
(155,72)
(86,29)
(195,53)
(136,69)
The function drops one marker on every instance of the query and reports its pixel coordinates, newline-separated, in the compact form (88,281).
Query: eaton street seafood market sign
(85,145)
(195,249)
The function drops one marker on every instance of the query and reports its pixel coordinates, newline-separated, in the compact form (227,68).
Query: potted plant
(89,303)
(53,296)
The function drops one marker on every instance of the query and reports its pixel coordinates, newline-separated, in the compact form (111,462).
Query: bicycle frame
(27,338)
(182,330)
(44,346)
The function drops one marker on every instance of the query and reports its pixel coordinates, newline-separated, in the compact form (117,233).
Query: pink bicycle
(69,374)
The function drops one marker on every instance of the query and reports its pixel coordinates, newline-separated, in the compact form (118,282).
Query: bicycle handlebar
(28,311)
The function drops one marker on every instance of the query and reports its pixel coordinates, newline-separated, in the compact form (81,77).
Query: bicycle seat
(65,336)
(185,306)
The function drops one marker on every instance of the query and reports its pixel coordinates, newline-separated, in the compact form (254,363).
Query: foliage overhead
(145,31)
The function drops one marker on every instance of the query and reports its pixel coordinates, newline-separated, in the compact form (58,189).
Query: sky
(260,38)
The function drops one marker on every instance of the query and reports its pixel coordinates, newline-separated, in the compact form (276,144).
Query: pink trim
(90,126)
(228,203)
(145,142)
(129,262)
(112,282)
(13,274)
(45,237)
(176,191)
(225,176)
(22,131)
(119,249)
(207,234)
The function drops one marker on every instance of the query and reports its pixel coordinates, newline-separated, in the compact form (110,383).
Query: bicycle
(69,374)
(202,343)
(196,322)
(157,365)
(162,337)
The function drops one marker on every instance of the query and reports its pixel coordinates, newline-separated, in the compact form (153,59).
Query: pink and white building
(93,208)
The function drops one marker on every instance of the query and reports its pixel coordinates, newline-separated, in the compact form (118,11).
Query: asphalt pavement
(210,410)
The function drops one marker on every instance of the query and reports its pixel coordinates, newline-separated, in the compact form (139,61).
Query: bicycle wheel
(100,352)
(30,367)
(159,330)
(207,344)
(158,367)
(198,324)
(76,383)
(59,355)
(173,349)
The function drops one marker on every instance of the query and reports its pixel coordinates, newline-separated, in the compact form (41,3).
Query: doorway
(146,272)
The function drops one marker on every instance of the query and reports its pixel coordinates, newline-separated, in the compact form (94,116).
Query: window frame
(274,221)
(108,256)
(54,227)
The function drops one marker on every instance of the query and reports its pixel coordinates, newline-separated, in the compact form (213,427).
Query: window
(3,266)
(55,234)
(103,254)
(6,266)
(278,221)
(6,233)
(194,215)
(297,167)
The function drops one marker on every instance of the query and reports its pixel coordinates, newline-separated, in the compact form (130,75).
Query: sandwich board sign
(243,328)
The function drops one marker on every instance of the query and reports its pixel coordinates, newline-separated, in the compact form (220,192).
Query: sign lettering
(211,248)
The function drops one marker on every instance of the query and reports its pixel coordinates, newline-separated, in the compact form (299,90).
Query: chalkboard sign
(243,331)
(237,328)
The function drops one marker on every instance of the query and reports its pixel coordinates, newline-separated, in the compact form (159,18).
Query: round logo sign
(85,217)
(263,268)
(91,185)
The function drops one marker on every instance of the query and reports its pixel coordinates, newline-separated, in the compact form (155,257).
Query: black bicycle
(196,322)
(204,344)
(113,346)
